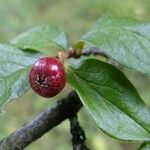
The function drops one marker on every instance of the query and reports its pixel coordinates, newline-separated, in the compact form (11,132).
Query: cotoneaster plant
(89,67)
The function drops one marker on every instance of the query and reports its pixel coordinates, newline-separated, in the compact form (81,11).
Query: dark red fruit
(47,77)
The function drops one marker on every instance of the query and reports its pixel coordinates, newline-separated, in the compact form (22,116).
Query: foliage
(124,40)
(104,90)
(14,65)
(110,99)
(42,38)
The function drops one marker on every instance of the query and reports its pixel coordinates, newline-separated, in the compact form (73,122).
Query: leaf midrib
(108,99)
(79,70)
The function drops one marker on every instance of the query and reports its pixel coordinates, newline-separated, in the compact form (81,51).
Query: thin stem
(72,53)
(78,135)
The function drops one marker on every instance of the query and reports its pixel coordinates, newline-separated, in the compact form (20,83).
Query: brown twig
(42,123)
(72,53)
(78,135)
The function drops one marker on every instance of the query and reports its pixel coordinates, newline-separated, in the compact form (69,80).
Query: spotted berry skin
(47,77)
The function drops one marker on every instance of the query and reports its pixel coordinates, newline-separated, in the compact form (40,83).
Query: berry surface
(47,77)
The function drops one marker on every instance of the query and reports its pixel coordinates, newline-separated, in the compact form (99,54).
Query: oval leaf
(14,66)
(111,99)
(42,38)
(124,40)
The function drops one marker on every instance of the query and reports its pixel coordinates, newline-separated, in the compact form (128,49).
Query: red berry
(47,77)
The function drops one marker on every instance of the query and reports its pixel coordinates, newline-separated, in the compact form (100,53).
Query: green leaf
(14,66)
(126,41)
(145,146)
(42,38)
(110,98)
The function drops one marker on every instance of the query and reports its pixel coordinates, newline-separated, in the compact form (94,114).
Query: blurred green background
(75,17)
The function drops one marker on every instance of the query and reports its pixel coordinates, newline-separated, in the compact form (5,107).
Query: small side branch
(93,51)
(42,123)
(78,135)
(72,53)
